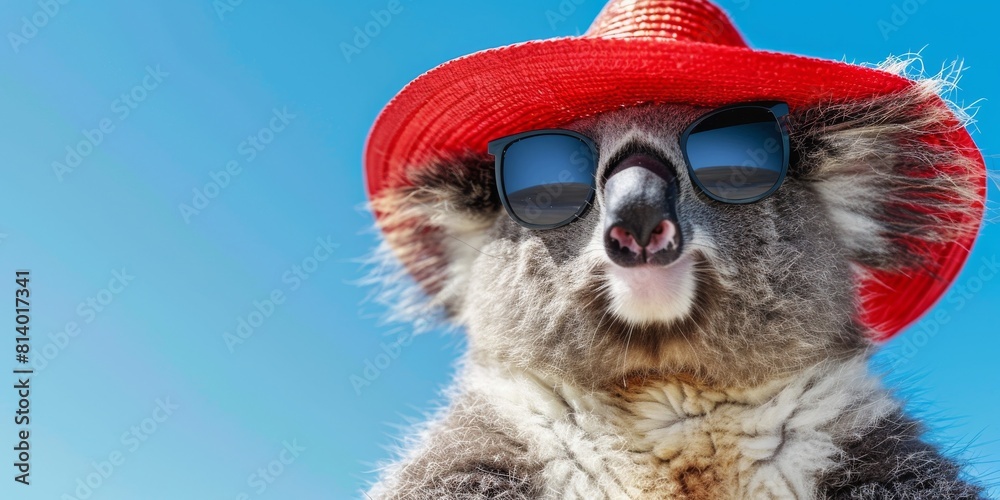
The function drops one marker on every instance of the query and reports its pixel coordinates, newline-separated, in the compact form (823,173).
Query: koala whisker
(593,336)
(628,339)
(472,247)
(590,251)
(691,243)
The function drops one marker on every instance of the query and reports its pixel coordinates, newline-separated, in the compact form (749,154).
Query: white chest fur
(670,439)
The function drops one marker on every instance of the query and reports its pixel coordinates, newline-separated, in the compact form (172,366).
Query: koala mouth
(653,294)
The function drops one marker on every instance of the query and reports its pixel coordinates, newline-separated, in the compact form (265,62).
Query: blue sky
(209,351)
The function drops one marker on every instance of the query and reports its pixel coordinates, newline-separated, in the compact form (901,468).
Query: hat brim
(462,104)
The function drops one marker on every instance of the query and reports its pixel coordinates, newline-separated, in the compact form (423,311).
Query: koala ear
(891,184)
(433,225)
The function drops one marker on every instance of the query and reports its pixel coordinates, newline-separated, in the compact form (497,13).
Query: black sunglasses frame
(498,148)
(779,110)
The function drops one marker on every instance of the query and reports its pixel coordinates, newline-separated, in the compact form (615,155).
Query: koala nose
(641,218)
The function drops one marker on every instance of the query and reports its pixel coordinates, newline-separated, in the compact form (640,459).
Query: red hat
(642,51)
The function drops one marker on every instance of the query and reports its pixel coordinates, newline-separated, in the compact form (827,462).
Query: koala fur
(749,378)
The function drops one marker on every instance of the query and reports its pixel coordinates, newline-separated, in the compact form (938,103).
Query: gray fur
(888,460)
(774,299)
(443,467)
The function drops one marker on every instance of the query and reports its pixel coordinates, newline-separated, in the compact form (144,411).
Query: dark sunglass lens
(548,179)
(737,154)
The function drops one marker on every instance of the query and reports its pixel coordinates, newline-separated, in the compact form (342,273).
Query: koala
(726,362)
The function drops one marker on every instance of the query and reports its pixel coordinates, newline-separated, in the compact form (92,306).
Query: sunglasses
(735,154)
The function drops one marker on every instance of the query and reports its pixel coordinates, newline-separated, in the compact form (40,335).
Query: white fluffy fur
(767,442)
(649,294)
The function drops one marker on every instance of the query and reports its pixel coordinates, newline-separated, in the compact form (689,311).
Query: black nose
(641,218)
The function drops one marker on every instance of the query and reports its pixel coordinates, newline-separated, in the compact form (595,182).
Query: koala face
(656,277)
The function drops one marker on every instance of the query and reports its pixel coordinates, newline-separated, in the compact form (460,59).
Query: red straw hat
(642,51)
